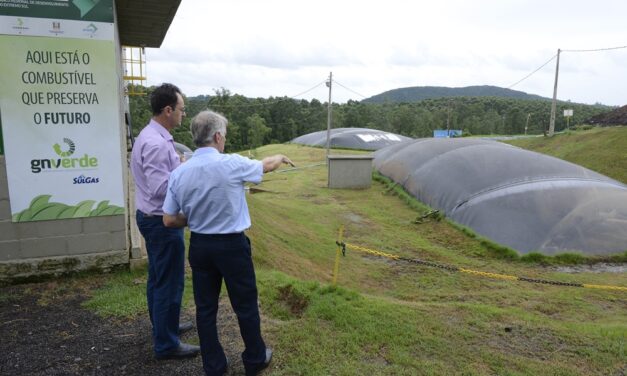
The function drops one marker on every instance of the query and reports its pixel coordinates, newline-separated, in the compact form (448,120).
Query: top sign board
(78,10)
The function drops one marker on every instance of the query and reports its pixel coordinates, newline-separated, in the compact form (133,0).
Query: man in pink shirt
(152,160)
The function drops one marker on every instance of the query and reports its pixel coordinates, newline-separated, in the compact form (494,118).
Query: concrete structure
(350,171)
(41,248)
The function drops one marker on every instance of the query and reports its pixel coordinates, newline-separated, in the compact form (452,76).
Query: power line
(351,90)
(307,91)
(542,66)
(530,74)
(596,49)
(310,117)
(268,102)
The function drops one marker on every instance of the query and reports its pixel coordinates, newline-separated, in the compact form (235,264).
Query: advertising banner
(85,19)
(60,115)
(87,10)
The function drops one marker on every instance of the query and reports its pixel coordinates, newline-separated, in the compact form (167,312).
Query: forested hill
(419,93)
(254,122)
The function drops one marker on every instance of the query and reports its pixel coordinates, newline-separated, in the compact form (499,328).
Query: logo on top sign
(56,27)
(91,29)
(19,25)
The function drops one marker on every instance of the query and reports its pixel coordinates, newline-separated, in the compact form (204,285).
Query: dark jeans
(214,258)
(166,273)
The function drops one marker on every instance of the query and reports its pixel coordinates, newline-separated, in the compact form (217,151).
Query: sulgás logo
(65,162)
(85,180)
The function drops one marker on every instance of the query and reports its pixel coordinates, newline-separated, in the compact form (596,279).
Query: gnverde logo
(65,151)
(70,151)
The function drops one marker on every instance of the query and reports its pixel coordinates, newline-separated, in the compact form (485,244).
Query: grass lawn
(603,150)
(390,317)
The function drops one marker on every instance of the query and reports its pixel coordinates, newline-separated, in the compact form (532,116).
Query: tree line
(254,122)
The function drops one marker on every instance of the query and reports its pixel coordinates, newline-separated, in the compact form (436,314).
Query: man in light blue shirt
(207,194)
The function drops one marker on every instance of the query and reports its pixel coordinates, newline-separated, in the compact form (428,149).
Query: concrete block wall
(40,248)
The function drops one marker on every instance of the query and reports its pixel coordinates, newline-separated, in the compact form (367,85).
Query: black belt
(150,215)
(217,236)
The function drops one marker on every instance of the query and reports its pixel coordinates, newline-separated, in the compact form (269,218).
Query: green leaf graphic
(36,210)
(42,210)
(52,211)
(119,210)
(101,206)
(83,208)
(23,216)
(112,210)
(38,202)
(67,213)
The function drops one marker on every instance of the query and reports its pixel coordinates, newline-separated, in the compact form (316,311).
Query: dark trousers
(214,258)
(166,273)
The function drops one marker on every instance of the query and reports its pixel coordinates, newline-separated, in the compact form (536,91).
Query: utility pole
(329,85)
(554,104)
(527,123)
(448,119)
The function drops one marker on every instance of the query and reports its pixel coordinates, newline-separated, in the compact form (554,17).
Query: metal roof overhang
(144,23)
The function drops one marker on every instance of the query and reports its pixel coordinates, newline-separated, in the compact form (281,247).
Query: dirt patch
(354,218)
(616,117)
(295,302)
(46,331)
(533,343)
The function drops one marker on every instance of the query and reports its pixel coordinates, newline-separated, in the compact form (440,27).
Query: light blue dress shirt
(209,190)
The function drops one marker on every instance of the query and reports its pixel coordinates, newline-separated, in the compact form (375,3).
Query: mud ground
(44,330)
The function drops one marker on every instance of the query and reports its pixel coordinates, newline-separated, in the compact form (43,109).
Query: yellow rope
(489,275)
(469,271)
(378,253)
(605,287)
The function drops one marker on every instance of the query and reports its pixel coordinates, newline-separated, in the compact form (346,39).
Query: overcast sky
(284,48)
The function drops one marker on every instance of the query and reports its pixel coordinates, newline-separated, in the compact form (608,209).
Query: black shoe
(183,351)
(185,327)
(254,370)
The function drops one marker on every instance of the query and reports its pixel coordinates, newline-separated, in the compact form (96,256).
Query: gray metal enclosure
(522,199)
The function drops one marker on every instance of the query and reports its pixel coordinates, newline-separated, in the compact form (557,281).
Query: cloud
(280,47)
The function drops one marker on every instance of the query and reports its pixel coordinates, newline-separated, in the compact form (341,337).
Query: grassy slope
(603,150)
(389,317)
(399,318)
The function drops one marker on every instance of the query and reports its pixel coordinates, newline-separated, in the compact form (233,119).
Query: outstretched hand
(286,160)
(274,162)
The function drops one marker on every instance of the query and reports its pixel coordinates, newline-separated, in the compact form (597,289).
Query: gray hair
(205,125)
